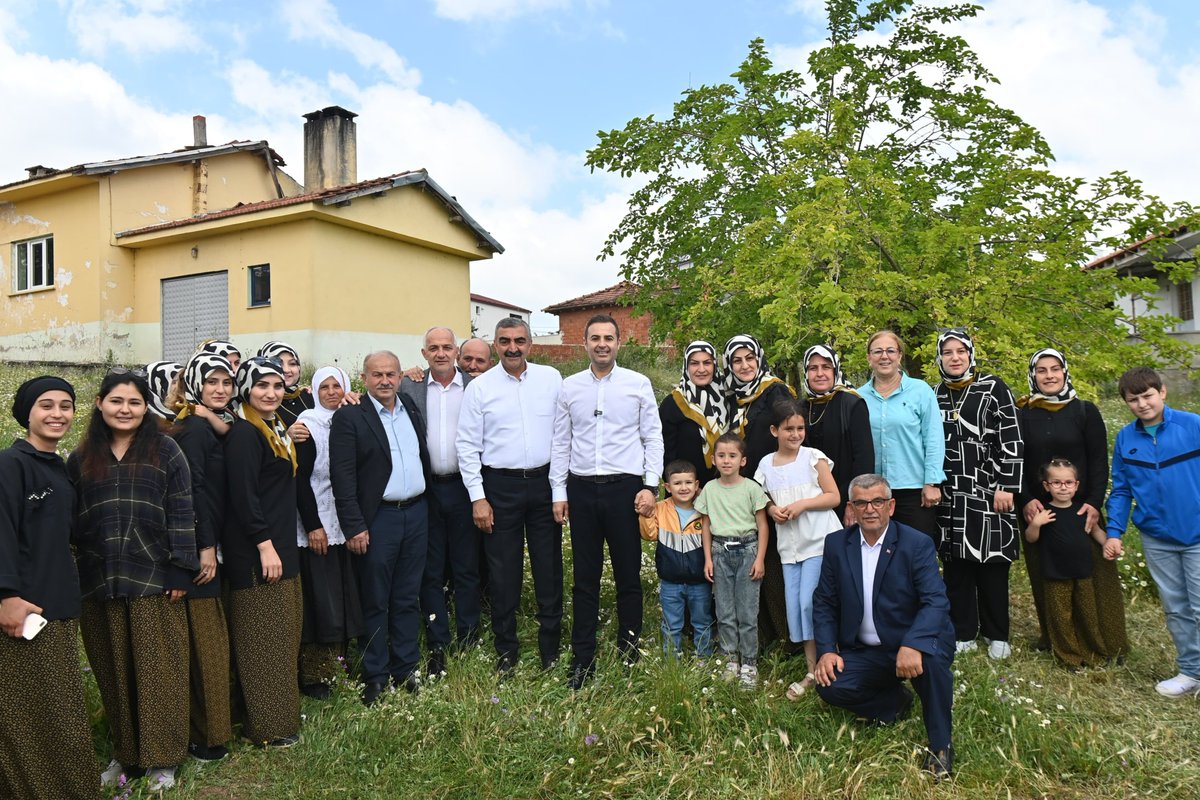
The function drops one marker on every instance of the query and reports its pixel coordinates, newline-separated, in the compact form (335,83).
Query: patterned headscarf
(195,372)
(703,405)
(824,351)
(160,375)
(745,393)
(276,350)
(1035,398)
(968,377)
(219,347)
(250,372)
(319,414)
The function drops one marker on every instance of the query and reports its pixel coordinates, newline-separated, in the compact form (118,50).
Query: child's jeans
(736,596)
(697,599)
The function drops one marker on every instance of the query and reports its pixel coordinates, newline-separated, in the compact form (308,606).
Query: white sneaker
(999,649)
(1178,686)
(965,647)
(749,676)
(160,778)
(732,670)
(112,774)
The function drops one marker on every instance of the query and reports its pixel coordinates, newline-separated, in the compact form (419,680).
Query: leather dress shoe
(580,675)
(940,763)
(906,704)
(372,690)
(505,665)
(435,665)
(410,683)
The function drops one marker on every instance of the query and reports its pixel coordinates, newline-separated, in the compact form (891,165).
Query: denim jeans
(799,582)
(1176,570)
(736,598)
(697,598)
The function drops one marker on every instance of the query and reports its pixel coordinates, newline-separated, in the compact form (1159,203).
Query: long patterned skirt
(210,715)
(138,650)
(45,738)
(264,631)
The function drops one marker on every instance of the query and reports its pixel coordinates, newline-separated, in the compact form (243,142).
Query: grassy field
(1024,728)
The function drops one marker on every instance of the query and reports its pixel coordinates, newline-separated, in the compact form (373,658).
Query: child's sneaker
(749,676)
(731,670)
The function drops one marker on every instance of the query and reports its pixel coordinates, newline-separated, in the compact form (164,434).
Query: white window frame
(24,257)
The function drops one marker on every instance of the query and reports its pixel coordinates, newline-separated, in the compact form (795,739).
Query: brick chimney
(330,148)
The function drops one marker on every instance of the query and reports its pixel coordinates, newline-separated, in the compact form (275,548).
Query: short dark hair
(680,467)
(513,322)
(786,409)
(733,439)
(1139,380)
(1057,463)
(601,319)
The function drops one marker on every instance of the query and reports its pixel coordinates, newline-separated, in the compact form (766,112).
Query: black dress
(292,407)
(841,429)
(683,439)
(206,459)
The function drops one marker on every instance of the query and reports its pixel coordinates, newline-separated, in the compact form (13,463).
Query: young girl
(1066,563)
(800,483)
(735,538)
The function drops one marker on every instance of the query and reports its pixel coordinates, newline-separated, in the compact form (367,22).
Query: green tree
(881,188)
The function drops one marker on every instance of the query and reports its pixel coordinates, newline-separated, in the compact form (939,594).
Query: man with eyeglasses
(880,617)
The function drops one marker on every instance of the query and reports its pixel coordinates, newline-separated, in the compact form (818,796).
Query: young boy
(1156,469)
(735,541)
(679,560)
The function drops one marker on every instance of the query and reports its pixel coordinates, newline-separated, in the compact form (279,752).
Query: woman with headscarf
(262,566)
(135,542)
(753,393)
(297,398)
(220,347)
(332,614)
(199,430)
(984,453)
(694,415)
(161,376)
(1056,423)
(839,422)
(45,734)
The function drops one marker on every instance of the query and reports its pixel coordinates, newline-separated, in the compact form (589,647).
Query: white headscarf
(320,415)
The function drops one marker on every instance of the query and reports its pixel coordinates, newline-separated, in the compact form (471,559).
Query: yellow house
(138,259)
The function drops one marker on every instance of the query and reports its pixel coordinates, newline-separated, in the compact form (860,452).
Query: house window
(33,264)
(260,285)
(514,316)
(1184,301)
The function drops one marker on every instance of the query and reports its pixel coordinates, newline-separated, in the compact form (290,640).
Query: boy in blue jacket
(679,560)
(1156,473)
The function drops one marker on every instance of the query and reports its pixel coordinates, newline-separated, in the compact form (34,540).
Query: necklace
(961,399)
(812,423)
(886,390)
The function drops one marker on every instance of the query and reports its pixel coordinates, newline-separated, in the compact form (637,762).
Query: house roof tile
(604,297)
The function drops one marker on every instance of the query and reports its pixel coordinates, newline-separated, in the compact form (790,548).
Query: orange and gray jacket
(679,556)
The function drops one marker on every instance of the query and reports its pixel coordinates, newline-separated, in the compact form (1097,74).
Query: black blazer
(360,461)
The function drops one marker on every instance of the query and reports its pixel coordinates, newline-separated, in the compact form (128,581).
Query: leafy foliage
(881,188)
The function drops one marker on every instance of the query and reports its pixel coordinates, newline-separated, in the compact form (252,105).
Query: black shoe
(580,675)
(549,664)
(284,741)
(906,704)
(372,691)
(317,691)
(207,753)
(940,764)
(505,665)
(435,665)
(411,683)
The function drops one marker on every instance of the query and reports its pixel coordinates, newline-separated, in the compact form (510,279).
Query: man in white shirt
(453,539)
(880,617)
(504,433)
(604,468)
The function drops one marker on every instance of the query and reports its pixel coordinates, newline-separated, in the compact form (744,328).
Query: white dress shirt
(606,426)
(442,405)
(506,422)
(870,560)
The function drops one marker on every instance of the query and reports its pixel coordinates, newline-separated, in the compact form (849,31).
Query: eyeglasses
(1067,484)
(264,361)
(880,352)
(137,373)
(875,503)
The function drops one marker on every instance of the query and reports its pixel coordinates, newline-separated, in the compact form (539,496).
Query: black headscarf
(29,392)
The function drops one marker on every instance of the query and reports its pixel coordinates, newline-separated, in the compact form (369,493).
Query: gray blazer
(415,390)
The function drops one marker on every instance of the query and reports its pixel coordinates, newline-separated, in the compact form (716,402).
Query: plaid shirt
(136,532)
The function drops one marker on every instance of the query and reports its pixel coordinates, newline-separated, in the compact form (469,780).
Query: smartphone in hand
(33,626)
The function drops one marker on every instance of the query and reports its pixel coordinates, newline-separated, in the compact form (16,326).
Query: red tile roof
(1133,248)
(479,298)
(605,297)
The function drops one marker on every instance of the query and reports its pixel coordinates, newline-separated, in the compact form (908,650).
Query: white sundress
(804,537)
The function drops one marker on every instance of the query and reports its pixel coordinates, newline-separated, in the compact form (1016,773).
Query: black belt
(620,476)
(412,501)
(448,478)
(534,472)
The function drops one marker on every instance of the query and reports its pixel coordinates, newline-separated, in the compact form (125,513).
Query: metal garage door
(194,308)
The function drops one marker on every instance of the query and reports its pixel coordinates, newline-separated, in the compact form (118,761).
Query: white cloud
(140,27)
(472,10)
(318,20)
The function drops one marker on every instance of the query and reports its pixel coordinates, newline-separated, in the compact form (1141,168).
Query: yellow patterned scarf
(274,431)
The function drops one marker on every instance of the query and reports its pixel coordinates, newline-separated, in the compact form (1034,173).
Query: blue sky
(500,99)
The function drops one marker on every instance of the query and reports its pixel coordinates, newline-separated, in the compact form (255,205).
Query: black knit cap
(29,392)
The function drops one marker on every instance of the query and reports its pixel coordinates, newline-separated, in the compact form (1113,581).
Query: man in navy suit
(379,468)
(880,617)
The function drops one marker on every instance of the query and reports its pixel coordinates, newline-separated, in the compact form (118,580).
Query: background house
(1175,299)
(573,314)
(487,311)
(135,259)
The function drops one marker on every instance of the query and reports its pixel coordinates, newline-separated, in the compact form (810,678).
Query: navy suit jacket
(909,600)
(360,461)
